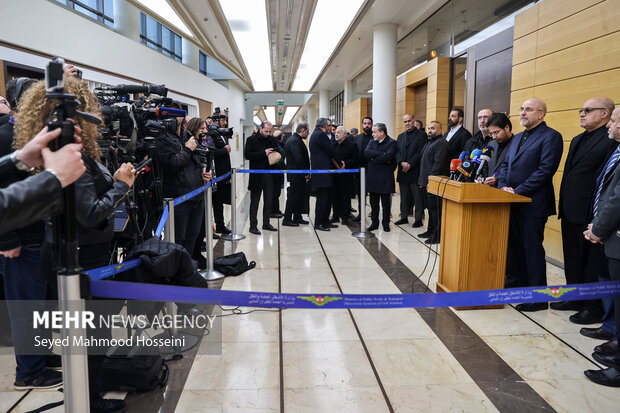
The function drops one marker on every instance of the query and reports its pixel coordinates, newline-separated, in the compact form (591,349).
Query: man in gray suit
(500,129)
(605,229)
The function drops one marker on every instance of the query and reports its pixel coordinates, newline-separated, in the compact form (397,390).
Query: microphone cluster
(469,167)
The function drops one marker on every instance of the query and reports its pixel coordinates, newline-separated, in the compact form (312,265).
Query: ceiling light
(288,115)
(321,42)
(248,22)
(162,8)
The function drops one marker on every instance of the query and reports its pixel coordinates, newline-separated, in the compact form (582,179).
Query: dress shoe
(607,377)
(585,317)
(566,306)
(346,221)
(254,230)
(321,228)
(596,333)
(432,240)
(222,230)
(276,215)
(426,234)
(610,347)
(373,227)
(215,236)
(607,360)
(417,224)
(386,228)
(301,221)
(531,307)
(288,223)
(352,210)
(402,221)
(269,227)
(330,225)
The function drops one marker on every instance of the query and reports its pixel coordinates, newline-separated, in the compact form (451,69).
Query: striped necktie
(601,179)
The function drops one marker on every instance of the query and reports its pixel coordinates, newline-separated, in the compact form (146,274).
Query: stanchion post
(363,233)
(210,274)
(233,236)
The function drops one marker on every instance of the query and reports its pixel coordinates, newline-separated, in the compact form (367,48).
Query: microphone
(454,164)
(465,169)
(146,89)
(169,112)
(464,156)
(485,157)
(475,152)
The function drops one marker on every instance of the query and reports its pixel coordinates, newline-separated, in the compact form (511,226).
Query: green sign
(280,102)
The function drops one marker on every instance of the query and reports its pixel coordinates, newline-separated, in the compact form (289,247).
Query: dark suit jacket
(347,152)
(495,164)
(410,146)
(362,140)
(321,156)
(578,182)
(606,224)
(296,157)
(530,171)
(381,164)
(434,160)
(254,151)
(477,142)
(457,143)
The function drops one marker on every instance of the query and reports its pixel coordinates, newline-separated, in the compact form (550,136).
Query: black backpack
(138,373)
(233,264)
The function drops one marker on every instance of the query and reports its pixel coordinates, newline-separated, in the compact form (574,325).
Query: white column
(311,118)
(349,96)
(190,54)
(127,19)
(384,74)
(324,104)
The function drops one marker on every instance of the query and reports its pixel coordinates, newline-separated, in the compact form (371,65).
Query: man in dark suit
(410,144)
(533,158)
(500,129)
(345,150)
(322,156)
(362,140)
(605,229)
(434,162)
(482,137)
(457,135)
(296,158)
(257,150)
(588,152)
(381,156)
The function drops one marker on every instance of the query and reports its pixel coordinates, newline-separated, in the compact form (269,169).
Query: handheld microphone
(464,156)
(465,169)
(454,164)
(475,152)
(485,157)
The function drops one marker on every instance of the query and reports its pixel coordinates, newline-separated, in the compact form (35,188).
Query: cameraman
(182,173)
(222,166)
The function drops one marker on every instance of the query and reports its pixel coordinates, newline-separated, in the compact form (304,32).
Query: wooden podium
(474,235)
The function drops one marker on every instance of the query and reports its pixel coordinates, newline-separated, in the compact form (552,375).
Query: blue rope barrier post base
(209,274)
(363,233)
(233,236)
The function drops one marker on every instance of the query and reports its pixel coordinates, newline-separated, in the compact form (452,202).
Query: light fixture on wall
(433,54)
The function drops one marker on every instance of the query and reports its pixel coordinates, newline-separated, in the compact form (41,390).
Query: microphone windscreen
(487,150)
(475,152)
(464,156)
(454,163)
(485,157)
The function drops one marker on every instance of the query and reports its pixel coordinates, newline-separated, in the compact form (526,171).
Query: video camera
(215,129)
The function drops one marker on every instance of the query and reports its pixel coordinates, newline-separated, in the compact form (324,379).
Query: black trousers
(576,251)
(410,194)
(386,205)
(218,208)
(321,208)
(341,197)
(433,203)
(597,267)
(295,201)
(525,242)
(278,182)
(265,188)
(614,274)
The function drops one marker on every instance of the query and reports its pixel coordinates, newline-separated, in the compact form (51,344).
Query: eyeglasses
(588,110)
(495,133)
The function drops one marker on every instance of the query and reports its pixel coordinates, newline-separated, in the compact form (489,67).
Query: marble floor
(375,360)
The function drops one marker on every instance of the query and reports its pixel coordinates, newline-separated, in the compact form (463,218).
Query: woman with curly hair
(97,194)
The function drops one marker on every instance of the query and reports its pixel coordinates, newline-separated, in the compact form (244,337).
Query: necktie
(613,159)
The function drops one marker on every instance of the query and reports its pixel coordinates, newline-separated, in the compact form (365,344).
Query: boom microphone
(454,164)
(485,157)
(146,89)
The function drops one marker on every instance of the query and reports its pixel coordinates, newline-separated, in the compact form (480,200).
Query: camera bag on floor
(141,372)
(233,264)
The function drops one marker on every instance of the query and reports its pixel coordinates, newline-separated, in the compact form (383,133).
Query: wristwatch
(19,164)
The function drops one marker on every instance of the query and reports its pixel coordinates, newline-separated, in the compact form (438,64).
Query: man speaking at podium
(532,159)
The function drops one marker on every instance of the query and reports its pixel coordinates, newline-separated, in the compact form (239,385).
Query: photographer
(222,166)
(182,173)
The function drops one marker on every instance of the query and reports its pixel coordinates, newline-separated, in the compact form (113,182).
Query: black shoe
(586,317)
(47,379)
(417,224)
(53,362)
(101,405)
(596,333)
(334,219)
(321,228)
(254,230)
(372,227)
(610,347)
(352,210)
(607,360)
(215,236)
(276,215)
(287,223)
(222,230)
(301,221)
(202,262)
(432,240)
(426,234)
(402,221)
(330,225)
(566,306)
(386,228)
(269,227)
(531,307)
(607,377)
(356,219)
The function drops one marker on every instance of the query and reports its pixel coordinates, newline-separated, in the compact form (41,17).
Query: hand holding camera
(191,144)
(125,173)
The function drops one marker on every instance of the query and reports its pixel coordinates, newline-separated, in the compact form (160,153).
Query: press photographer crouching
(182,172)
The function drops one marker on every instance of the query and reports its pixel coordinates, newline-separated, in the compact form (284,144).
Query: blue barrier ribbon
(110,270)
(162,222)
(155,292)
(297,171)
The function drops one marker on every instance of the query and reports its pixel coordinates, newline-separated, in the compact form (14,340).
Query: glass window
(100,10)
(159,37)
(203,63)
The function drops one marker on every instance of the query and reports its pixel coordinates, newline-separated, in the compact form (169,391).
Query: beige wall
(565,51)
(354,112)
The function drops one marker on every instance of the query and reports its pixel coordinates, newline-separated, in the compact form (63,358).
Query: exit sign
(280,102)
